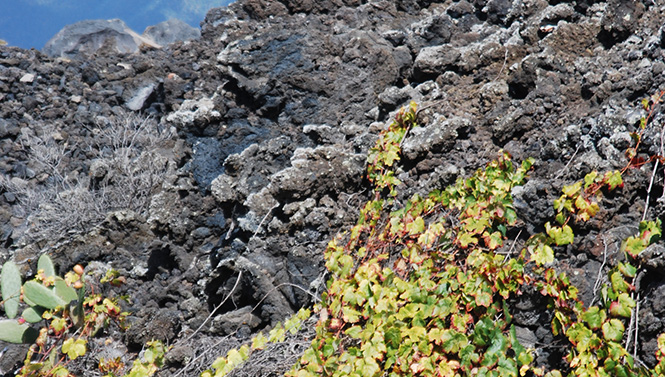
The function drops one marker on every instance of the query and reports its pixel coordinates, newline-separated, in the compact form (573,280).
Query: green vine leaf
(542,254)
(634,246)
(74,348)
(465,239)
(613,179)
(623,306)
(417,226)
(572,190)
(594,317)
(619,285)
(613,330)
(561,235)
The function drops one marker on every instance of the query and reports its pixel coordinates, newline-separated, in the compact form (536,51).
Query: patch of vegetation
(69,315)
(423,287)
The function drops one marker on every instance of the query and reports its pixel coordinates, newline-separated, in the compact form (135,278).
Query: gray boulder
(87,37)
(114,36)
(171,31)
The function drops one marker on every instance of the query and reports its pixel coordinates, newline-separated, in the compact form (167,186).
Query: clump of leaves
(649,105)
(422,289)
(68,315)
(598,334)
(153,359)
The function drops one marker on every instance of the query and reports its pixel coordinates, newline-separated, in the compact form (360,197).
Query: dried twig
(597,284)
(201,355)
(512,247)
(569,162)
(505,60)
(258,228)
(637,325)
(216,308)
(661,152)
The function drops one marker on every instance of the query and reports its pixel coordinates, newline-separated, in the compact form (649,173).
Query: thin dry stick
(653,175)
(630,329)
(512,247)
(251,311)
(216,307)
(596,285)
(646,201)
(661,152)
(406,133)
(276,288)
(258,228)
(637,325)
(634,313)
(505,60)
(569,162)
(283,285)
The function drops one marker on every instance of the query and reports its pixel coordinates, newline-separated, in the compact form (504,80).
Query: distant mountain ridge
(89,36)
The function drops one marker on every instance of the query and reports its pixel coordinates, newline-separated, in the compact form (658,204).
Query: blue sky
(30,23)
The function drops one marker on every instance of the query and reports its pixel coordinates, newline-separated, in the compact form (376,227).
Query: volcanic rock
(86,37)
(114,36)
(170,31)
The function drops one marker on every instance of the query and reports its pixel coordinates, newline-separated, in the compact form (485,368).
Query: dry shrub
(129,167)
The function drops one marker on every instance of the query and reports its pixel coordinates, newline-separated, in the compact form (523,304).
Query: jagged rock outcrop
(268,116)
(169,31)
(114,36)
(86,37)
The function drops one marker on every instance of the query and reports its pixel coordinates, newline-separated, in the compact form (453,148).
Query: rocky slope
(254,151)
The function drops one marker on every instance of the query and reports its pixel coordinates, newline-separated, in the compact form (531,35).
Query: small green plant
(68,313)
(153,359)
(649,105)
(46,292)
(595,333)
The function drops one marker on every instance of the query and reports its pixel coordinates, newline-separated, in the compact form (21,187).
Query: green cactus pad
(41,295)
(64,291)
(13,332)
(10,287)
(33,314)
(45,263)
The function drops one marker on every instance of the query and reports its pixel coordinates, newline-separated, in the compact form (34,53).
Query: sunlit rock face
(114,36)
